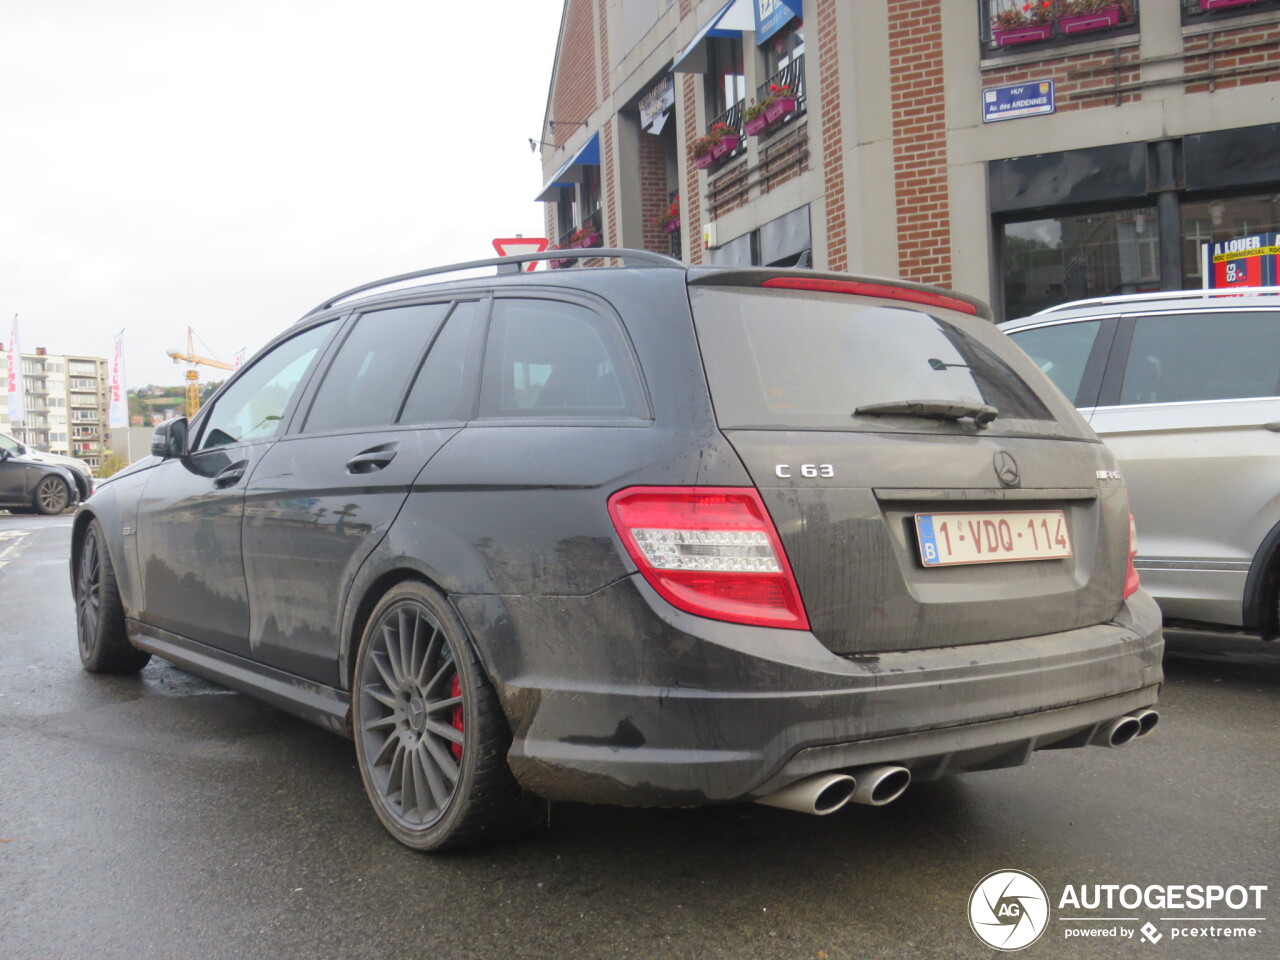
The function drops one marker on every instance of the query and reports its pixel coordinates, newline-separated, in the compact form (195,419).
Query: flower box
(756,125)
(1027,34)
(780,108)
(1084,22)
(726,146)
(1207,5)
(590,240)
(704,161)
(671,226)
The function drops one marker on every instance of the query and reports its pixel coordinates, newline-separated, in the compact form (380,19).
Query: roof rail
(1204,294)
(644,257)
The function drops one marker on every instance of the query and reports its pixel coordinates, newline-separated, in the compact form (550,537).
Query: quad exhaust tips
(1126,729)
(828,792)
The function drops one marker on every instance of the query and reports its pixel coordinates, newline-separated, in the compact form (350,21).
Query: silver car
(1185,389)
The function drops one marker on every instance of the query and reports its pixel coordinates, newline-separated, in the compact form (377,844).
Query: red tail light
(1131,583)
(712,551)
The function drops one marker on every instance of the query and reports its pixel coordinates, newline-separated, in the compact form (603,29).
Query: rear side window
(782,361)
(552,359)
(368,377)
(1203,356)
(1061,351)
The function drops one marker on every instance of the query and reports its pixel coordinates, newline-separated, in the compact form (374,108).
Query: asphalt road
(164,817)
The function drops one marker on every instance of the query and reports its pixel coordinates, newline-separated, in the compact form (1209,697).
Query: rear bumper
(618,698)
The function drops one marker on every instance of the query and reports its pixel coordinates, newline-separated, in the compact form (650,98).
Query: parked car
(647,534)
(1185,389)
(28,486)
(79,470)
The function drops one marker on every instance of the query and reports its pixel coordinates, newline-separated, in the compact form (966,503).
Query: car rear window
(779,360)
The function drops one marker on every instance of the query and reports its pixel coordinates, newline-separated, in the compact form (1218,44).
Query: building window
(726,77)
(1018,26)
(1209,221)
(1048,261)
(1208,11)
(784,47)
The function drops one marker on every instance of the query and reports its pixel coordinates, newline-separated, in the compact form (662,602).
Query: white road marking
(17,540)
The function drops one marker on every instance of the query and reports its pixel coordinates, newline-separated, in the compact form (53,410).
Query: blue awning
(730,21)
(570,171)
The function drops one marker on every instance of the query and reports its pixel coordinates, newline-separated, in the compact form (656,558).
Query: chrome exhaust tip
(819,795)
(880,785)
(1118,732)
(1147,720)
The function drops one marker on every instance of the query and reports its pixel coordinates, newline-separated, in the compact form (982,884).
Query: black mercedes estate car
(645,534)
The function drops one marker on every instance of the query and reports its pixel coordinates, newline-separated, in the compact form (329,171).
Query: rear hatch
(929,485)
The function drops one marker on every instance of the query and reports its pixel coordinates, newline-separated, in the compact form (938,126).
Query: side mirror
(4,453)
(170,439)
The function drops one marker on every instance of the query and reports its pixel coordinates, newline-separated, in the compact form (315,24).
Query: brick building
(1091,149)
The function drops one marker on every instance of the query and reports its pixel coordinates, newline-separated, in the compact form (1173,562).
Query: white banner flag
(17,400)
(119,416)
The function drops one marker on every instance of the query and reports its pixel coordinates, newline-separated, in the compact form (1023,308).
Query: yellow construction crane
(193,379)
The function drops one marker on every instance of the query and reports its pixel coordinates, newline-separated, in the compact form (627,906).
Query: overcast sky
(229,165)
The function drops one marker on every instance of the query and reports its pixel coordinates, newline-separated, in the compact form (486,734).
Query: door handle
(373,459)
(230,476)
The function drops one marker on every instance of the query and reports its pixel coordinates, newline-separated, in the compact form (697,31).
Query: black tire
(431,738)
(52,496)
(100,630)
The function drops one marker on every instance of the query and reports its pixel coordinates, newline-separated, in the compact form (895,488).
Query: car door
(1189,405)
(190,512)
(324,496)
(15,481)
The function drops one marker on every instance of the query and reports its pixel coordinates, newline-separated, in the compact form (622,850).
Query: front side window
(548,358)
(1203,356)
(252,408)
(1061,351)
(367,380)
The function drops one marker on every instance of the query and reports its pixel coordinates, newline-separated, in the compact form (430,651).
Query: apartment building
(66,401)
(1027,153)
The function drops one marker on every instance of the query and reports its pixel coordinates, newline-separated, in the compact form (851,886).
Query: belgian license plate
(951,538)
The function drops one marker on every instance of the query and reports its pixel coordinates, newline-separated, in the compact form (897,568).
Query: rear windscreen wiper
(981,413)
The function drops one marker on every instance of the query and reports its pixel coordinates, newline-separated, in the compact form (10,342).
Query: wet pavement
(161,816)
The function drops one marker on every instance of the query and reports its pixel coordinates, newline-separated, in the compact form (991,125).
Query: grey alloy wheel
(430,735)
(52,496)
(100,628)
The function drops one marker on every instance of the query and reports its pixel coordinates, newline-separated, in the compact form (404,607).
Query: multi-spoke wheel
(100,628)
(429,731)
(52,496)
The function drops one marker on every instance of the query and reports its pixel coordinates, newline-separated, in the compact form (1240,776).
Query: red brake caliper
(455,690)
